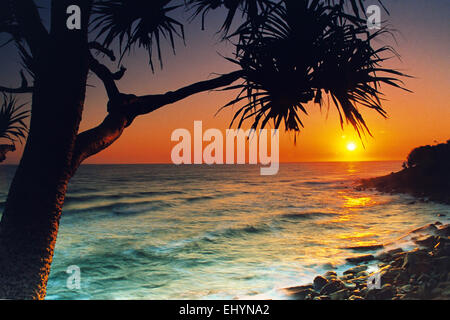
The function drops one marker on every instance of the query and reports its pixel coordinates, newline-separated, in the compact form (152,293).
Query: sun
(351,146)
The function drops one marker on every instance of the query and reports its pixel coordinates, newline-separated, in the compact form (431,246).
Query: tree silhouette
(289,52)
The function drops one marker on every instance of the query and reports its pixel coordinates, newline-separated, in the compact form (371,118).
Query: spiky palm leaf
(302,54)
(12,119)
(250,9)
(136,23)
(356,5)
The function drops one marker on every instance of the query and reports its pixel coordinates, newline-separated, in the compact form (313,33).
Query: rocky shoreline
(421,273)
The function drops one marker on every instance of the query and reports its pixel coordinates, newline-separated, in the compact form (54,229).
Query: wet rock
(441,264)
(355,297)
(361,259)
(387,292)
(427,241)
(340,295)
(303,294)
(347,277)
(444,231)
(442,249)
(390,274)
(322,298)
(398,261)
(362,274)
(350,285)
(406,288)
(429,228)
(388,256)
(299,292)
(416,262)
(332,286)
(319,283)
(399,296)
(356,270)
(330,275)
(401,279)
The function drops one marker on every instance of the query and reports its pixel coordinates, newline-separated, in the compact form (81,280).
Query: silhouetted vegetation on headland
(425,174)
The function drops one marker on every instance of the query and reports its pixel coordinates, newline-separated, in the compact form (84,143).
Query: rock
(356,270)
(355,297)
(350,285)
(399,296)
(441,264)
(340,295)
(330,275)
(387,292)
(361,259)
(406,288)
(362,274)
(347,277)
(401,279)
(388,256)
(303,294)
(441,249)
(398,261)
(427,241)
(332,286)
(429,228)
(322,298)
(416,262)
(444,231)
(299,292)
(319,283)
(388,275)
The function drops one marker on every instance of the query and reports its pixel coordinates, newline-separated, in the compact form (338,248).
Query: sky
(414,119)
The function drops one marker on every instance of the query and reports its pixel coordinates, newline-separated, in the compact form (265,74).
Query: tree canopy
(289,53)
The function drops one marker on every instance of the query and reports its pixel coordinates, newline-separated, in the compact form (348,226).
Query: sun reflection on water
(356,202)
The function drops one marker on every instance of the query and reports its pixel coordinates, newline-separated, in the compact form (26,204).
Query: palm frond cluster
(292,52)
(136,23)
(304,51)
(12,119)
(249,9)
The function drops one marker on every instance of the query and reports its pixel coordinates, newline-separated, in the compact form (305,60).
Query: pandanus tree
(288,52)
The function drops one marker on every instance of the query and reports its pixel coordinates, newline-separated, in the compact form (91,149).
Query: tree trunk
(29,225)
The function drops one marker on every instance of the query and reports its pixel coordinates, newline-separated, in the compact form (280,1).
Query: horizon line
(224,164)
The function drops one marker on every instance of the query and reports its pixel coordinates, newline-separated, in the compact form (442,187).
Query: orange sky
(422,117)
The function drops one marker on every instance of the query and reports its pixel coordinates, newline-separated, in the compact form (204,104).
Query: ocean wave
(232,232)
(305,215)
(125,208)
(94,197)
(201,198)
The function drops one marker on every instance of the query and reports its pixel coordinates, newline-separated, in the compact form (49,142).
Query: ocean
(219,232)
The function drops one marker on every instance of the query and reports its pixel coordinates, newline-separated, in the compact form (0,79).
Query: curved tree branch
(124,108)
(106,76)
(24,88)
(99,47)
(150,103)
(16,90)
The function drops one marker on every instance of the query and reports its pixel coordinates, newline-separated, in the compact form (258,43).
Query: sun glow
(351,146)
